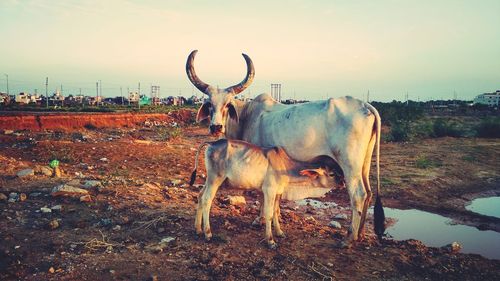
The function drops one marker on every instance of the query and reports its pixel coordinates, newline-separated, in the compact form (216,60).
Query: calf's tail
(193,174)
(378,209)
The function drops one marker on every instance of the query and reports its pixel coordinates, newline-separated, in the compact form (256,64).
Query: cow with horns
(342,131)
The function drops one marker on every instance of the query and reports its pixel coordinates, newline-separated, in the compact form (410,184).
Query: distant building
(490,99)
(4,98)
(133,97)
(26,98)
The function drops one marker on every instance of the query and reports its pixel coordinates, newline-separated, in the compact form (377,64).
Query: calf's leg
(276,217)
(269,198)
(212,184)
(197,219)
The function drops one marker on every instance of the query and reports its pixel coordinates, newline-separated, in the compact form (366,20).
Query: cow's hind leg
(212,184)
(366,183)
(358,196)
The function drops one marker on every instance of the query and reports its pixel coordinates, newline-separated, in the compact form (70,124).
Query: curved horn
(238,88)
(202,86)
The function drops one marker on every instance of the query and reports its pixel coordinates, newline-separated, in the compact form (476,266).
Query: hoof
(199,232)
(281,234)
(344,244)
(272,245)
(257,222)
(208,237)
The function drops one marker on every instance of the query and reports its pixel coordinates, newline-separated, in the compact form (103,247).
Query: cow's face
(220,102)
(217,108)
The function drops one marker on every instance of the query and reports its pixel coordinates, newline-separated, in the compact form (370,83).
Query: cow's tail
(378,210)
(193,174)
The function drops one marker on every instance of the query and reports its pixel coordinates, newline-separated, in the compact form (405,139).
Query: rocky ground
(121,209)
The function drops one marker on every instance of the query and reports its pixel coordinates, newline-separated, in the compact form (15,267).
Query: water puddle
(437,231)
(489,206)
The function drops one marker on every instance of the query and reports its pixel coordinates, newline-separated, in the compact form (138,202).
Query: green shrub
(400,132)
(166,133)
(489,128)
(423,162)
(443,128)
(423,130)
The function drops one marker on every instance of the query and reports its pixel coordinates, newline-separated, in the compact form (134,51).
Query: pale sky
(314,48)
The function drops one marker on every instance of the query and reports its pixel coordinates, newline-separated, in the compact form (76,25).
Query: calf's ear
(203,112)
(232,112)
(311,173)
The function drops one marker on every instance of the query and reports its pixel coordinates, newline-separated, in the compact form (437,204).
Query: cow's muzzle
(215,129)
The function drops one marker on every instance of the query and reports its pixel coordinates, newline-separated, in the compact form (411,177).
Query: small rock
(160,230)
(68,190)
(13,197)
(340,216)
(105,222)
(3,197)
(176,182)
(167,239)
(45,210)
(25,173)
(53,224)
(47,171)
(310,219)
(74,182)
(57,208)
(8,132)
(51,270)
(454,247)
(35,194)
(236,200)
(104,159)
(22,197)
(156,248)
(92,183)
(85,198)
(335,224)
(117,227)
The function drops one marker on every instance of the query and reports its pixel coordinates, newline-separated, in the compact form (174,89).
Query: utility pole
(100,88)
(7,78)
(47,91)
(368,96)
(128,93)
(139,101)
(96,93)
(121,93)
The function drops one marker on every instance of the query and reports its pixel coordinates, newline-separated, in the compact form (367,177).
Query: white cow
(247,166)
(345,130)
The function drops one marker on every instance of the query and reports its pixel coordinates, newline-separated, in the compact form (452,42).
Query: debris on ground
(68,190)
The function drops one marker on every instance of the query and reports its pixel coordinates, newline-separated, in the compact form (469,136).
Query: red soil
(76,121)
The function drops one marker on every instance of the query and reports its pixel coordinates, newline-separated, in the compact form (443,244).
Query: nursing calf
(246,166)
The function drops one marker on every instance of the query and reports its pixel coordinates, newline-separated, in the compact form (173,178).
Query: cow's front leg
(269,197)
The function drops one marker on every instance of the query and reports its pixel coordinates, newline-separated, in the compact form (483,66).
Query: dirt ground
(142,199)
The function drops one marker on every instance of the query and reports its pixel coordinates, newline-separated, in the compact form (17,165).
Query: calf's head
(320,175)
(220,102)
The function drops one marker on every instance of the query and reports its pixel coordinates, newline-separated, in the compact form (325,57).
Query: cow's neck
(234,130)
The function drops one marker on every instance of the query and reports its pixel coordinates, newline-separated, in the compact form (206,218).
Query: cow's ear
(311,173)
(233,114)
(203,112)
